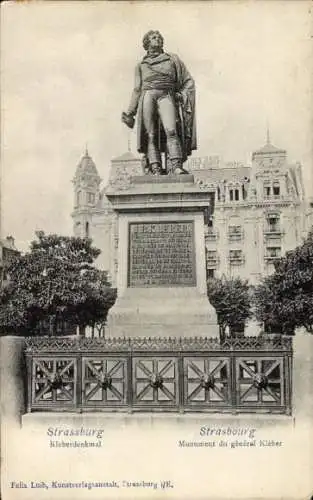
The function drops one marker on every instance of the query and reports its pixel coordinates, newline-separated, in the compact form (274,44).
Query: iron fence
(244,374)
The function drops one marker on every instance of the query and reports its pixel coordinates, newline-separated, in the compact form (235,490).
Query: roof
(269,149)
(218,175)
(86,166)
(128,156)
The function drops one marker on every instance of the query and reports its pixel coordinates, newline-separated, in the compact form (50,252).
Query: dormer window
(276,189)
(234,194)
(271,189)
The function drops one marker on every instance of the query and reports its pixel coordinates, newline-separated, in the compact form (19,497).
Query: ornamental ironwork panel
(260,381)
(54,382)
(155,382)
(104,381)
(207,382)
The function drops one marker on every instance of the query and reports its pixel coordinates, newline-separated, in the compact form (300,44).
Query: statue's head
(153,39)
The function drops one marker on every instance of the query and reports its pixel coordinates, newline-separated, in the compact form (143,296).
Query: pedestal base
(162,312)
(161,279)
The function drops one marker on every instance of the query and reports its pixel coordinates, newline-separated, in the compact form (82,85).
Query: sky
(67,71)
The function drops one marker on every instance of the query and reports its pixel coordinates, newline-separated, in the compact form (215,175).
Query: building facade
(258,215)
(8,251)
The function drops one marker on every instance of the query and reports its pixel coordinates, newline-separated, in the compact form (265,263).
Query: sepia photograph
(156,250)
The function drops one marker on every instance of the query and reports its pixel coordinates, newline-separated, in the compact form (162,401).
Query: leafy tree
(231,300)
(284,300)
(55,281)
(100,297)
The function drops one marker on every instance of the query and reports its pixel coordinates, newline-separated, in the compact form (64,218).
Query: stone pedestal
(161,259)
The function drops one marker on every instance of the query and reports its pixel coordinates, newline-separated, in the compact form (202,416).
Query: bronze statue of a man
(164,100)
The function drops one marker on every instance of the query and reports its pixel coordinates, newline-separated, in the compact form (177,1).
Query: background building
(7,252)
(309,214)
(259,209)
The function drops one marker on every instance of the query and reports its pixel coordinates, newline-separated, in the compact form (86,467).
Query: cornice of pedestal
(164,193)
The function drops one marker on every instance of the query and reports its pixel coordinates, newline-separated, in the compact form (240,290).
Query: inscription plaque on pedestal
(161,254)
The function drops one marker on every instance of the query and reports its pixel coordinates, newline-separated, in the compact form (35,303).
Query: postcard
(156,173)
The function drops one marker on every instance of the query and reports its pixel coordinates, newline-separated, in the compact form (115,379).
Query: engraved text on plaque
(161,254)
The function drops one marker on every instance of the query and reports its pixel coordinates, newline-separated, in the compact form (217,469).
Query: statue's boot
(156,169)
(177,166)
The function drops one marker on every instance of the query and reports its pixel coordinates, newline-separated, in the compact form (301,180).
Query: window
(211,255)
(273,252)
(78,197)
(211,273)
(276,189)
(273,223)
(267,191)
(236,256)
(235,232)
(234,229)
(87,229)
(234,194)
(211,233)
(211,259)
(210,222)
(91,197)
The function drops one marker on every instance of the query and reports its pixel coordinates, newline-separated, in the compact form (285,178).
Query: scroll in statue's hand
(129,120)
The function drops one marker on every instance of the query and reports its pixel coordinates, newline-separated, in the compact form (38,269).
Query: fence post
(181,382)
(288,382)
(129,380)
(79,383)
(29,372)
(233,381)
